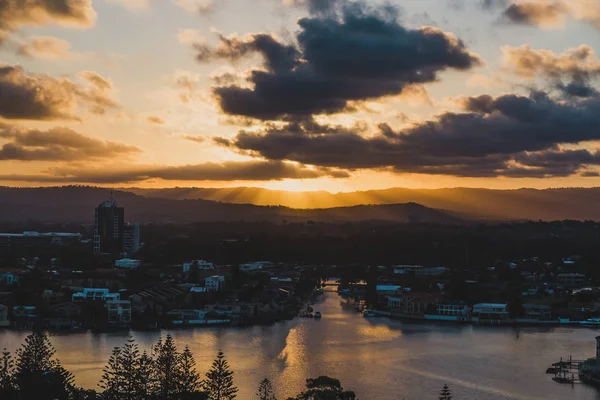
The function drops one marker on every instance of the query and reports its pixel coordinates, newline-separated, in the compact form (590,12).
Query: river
(377,358)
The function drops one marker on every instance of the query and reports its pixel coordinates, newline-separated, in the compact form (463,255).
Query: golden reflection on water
(378,358)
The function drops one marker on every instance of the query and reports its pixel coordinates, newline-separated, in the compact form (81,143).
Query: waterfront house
(490,311)
(7,278)
(450,311)
(384,290)
(214,283)
(24,317)
(4,322)
(119,312)
(537,312)
(419,304)
(395,303)
(64,315)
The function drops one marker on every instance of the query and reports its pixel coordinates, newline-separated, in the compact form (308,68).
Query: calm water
(377,358)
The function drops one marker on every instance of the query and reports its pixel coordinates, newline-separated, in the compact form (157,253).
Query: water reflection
(378,358)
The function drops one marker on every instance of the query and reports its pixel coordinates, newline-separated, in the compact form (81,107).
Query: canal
(377,358)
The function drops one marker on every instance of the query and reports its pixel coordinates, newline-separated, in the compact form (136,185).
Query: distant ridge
(75,204)
(518,204)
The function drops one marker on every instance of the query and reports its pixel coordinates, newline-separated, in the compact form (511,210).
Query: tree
(445,393)
(127,374)
(325,388)
(265,390)
(167,368)
(219,380)
(8,389)
(189,379)
(37,374)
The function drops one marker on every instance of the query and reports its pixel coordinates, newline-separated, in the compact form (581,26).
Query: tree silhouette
(265,390)
(325,388)
(8,388)
(445,393)
(167,368)
(189,379)
(219,380)
(122,378)
(37,374)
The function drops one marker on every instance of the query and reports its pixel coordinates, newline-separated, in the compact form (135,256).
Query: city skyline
(305,95)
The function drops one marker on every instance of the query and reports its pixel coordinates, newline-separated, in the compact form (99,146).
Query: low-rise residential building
(119,312)
(537,312)
(214,283)
(200,265)
(454,309)
(570,279)
(395,303)
(128,263)
(387,289)
(491,311)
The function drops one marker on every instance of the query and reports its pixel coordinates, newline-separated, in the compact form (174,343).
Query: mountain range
(519,204)
(76,204)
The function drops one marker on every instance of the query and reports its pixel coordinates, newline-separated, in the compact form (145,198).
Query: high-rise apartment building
(132,239)
(109,232)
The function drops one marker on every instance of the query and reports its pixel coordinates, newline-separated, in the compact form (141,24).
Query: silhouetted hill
(76,204)
(520,204)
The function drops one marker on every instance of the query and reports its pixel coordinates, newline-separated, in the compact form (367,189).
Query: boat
(369,314)
(591,322)
(317,315)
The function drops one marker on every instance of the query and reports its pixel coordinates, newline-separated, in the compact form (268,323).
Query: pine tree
(37,374)
(7,380)
(167,368)
(127,374)
(265,390)
(145,377)
(445,393)
(219,380)
(112,376)
(189,379)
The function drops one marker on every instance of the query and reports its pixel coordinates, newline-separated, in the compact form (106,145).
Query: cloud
(132,5)
(46,47)
(571,72)
(72,13)
(538,14)
(364,54)
(501,136)
(318,7)
(547,13)
(197,139)
(153,119)
(226,171)
(41,97)
(56,144)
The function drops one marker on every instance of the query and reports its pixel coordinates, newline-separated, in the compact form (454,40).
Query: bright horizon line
(126,188)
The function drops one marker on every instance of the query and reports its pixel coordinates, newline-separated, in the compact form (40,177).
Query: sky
(336,95)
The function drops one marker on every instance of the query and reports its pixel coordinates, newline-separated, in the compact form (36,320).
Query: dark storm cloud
(17,13)
(509,135)
(227,171)
(56,144)
(362,54)
(41,97)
